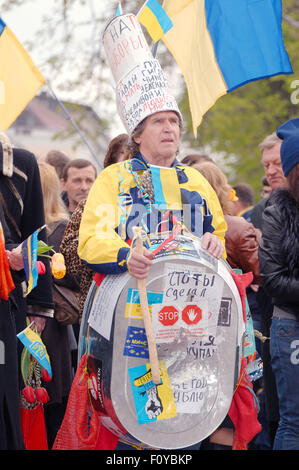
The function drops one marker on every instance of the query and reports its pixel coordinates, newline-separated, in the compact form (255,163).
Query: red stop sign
(168,315)
(191,314)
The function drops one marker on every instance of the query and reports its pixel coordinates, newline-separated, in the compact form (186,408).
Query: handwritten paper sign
(141,86)
(191,303)
(189,395)
(143,91)
(125,45)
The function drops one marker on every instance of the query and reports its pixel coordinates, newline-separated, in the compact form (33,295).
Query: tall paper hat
(140,84)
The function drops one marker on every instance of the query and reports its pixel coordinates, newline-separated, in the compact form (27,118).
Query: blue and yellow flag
(221,45)
(32,341)
(154,18)
(29,254)
(20,79)
(166,186)
(119,10)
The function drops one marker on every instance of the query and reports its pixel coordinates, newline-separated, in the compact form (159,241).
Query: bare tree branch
(291,21)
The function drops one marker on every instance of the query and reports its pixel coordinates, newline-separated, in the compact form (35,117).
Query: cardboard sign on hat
(140,84)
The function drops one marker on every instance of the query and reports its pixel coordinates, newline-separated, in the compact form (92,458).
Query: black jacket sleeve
(18,276)
(22,193)
(281,284)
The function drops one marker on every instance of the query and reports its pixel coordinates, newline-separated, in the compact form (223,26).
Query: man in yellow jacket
(122,198)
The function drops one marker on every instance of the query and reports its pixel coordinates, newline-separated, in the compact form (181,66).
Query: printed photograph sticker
(152,402)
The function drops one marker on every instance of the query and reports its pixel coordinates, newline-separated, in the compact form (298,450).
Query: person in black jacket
(260,303)
(21,198)
(10,424)
(279,270)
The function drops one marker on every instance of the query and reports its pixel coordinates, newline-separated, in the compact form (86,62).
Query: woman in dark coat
(279,268)
(10,424)
(22,201)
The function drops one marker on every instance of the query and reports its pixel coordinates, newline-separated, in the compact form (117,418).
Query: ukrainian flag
(221,45)
(32,341)
(20,80)
(154,18)
(166,187)
(29,254)
(119,10)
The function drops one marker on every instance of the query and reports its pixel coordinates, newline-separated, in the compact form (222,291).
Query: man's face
(272,164)
(159,140)
(78,184)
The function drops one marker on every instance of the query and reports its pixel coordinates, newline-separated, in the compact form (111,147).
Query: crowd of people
(62,195)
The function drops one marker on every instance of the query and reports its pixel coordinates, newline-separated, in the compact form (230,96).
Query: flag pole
(69,117)
(155,48)
(119,9)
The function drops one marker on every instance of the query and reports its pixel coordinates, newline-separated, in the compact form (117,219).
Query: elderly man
(151,189)
(270,149)
(102,240)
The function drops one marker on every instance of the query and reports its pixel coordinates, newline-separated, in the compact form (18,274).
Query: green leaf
(25,364)
(42,248)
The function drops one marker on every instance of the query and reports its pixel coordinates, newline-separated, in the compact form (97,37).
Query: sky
(27,19)
(23,19)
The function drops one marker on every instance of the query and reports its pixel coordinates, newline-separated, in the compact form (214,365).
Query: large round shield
(197,319)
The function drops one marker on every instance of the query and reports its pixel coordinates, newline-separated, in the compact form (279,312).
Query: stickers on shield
(133,309)
(136,343)
(95,372)
(152,402)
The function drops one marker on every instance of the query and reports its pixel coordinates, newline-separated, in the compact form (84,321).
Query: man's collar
(140,163)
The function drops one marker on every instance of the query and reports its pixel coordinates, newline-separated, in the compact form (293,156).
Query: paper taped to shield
(199,330)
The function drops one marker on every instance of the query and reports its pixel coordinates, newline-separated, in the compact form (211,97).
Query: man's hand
(139,264)
(212,244)
(40,323)
(15,259)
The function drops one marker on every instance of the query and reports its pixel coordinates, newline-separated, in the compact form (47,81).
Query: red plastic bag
(244,412)
(33,428)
